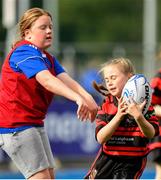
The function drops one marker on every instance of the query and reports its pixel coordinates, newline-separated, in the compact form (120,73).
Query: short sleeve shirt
(28,59)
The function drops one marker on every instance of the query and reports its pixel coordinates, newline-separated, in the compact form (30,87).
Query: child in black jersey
(121,128)
(155,145)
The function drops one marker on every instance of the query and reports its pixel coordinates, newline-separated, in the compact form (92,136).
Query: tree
(101,20)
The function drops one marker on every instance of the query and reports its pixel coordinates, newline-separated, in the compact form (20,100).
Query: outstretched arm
(56,86)
(76,87)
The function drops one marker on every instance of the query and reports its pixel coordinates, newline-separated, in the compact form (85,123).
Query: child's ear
(27,33)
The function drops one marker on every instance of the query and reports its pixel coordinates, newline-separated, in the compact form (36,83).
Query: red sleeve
(106,112)
(156,86)
(151,117)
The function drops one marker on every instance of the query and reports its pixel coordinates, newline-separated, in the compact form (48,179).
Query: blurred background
(86,35)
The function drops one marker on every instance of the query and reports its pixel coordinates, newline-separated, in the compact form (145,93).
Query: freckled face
(115,79)
(40,33)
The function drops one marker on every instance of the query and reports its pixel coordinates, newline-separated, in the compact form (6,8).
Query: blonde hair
(27,20)
(125,65)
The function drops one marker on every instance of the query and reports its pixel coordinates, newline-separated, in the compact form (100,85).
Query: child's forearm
(146,128)
(107,131)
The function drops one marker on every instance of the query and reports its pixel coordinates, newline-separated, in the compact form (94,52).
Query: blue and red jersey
(23,101)
(127,140)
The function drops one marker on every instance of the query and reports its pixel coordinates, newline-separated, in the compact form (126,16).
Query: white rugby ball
(139,89)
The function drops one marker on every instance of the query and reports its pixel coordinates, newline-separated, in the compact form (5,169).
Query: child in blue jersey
(30,78)
(121,128)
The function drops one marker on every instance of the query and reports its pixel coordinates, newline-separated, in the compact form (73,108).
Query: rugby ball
(139,89)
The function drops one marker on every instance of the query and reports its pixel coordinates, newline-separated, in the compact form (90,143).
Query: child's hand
(134,109)
(87,109)
(122,108)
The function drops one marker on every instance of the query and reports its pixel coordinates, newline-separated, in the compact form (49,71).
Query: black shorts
(105,167)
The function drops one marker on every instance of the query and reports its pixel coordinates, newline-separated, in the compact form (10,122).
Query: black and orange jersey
(156,86)
(127,140)
(156,100)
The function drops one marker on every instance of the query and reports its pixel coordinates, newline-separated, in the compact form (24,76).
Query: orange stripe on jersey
(125,153)
(114,148)
(154,119)
(134,134)
(128,129)
(100,123)
(154,145)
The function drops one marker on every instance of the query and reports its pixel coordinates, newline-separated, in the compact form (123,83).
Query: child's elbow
(150,135)
(100,140)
